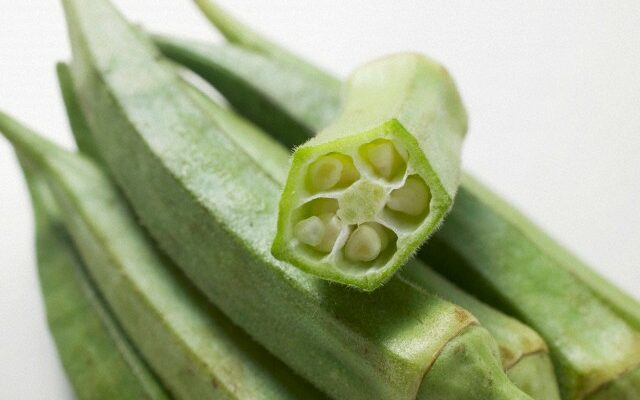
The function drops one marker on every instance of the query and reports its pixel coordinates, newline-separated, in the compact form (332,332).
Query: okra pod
(367,191)
(99,360)
(192,347)
(593,334)
(212,209)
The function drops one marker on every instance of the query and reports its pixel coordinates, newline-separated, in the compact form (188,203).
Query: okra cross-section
(367,191)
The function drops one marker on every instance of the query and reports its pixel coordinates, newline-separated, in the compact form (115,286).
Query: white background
(552,89)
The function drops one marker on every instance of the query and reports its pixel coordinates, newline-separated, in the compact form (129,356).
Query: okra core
(354,204)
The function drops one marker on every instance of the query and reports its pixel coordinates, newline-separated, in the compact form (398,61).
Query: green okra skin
(518,344)
(524,354)
(212,209)
(192,347)
(368,190)
(99,360)
(590,311)
(534,375)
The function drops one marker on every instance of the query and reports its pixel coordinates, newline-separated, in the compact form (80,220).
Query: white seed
(325,172)
(383,157)
(350,173)
(364,244)
(382,233)
(310,231)
(332,229)
(412,198)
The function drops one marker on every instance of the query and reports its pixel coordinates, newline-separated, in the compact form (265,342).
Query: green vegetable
(524,354)
(193,348)
(366,192)
(212,209)
(591,335)
(97,357)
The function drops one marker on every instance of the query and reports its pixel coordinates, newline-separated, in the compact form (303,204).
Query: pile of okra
(308,238)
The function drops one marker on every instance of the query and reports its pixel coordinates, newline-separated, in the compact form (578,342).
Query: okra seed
(310,231)
(364,244)
(325,173)
(380,230)
(383,158)
(350,173)
(412,198)
(332,227)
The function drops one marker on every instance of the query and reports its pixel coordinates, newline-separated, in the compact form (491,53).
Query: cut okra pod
(366,192)
(212,209)
(99,360)
(589,325)
(191,346)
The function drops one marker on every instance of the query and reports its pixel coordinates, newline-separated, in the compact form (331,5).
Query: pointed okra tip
(354,209)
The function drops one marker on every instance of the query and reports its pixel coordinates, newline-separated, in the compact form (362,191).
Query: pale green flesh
(391,158)
(582,365)
(192,347)
(165,150)
(97,357)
